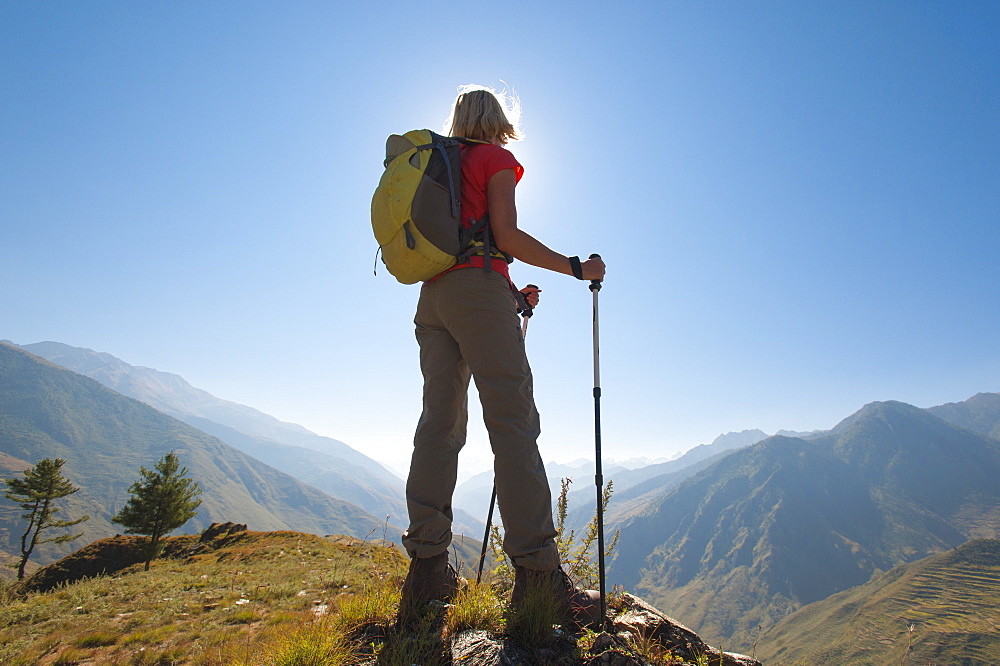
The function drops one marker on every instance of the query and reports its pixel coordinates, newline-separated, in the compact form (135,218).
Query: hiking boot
(582,607)
(428,578)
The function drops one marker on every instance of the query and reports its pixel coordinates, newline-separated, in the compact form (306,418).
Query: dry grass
(221,607)
(477,607)
(266,599)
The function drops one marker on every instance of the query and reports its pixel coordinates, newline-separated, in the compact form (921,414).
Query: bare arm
(520,244)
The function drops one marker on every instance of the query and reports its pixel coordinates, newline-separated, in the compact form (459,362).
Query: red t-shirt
(479,164)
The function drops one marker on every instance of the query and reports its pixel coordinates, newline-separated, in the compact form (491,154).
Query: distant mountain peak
(884,410)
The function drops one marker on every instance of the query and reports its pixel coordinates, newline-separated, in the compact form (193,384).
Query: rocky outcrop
(107,557)
(639,619)
(219,530)
(634,622)
(482,647)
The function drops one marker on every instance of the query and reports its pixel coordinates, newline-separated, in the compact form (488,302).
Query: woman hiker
(467,326)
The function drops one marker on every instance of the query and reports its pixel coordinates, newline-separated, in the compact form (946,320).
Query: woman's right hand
(593,269)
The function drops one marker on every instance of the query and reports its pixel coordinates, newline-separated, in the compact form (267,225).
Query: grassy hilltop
(228,601)
(242,598)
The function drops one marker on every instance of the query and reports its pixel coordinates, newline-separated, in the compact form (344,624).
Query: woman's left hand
(530,294)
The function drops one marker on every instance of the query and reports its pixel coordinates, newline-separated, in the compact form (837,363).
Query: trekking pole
(595,287)
(486,536)
(526,314)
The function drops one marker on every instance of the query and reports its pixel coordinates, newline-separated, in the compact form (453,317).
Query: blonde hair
(485,114)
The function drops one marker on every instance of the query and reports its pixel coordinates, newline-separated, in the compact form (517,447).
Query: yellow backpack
(416,209)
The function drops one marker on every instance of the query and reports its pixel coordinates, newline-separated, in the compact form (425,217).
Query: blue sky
(797,203)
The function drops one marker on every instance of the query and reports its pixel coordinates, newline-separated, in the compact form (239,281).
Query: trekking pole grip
(595,285)
(530,311)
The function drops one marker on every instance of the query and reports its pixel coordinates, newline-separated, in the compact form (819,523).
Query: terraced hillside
(942,610)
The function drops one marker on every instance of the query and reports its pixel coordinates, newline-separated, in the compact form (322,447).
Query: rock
(601,643)
(216,530)
(641,619)
(734,659)
(484,649)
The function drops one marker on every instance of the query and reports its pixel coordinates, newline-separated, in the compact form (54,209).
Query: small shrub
(575,552)
(576,557)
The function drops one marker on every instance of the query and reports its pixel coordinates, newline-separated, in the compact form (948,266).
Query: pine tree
(41,485)
(162,500)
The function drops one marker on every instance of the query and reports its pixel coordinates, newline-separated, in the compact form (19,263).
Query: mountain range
(47,411)
(327,464)
(629,483)
(786,522)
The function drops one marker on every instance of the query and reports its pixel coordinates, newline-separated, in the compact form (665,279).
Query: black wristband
(574,264)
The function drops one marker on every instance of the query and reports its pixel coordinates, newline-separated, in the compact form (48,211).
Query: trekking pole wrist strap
(574,264)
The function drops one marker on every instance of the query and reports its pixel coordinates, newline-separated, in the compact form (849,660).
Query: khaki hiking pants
(467,325)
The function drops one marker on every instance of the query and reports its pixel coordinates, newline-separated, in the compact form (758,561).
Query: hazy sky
(797,202)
